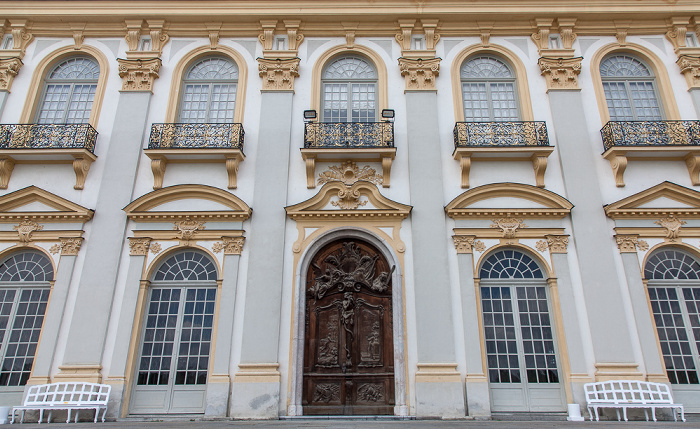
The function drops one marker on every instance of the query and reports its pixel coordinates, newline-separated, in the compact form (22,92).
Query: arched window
(519,336)
(630,89)
(488,90)
(177,335)
(69,91)
(209,91)
(24,294)
(349,90)
(674,292)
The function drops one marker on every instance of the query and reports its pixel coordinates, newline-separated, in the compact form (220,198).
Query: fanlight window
(69,91)
(186,266)
(23,299)
(510,264)
(630,89)
(209,91)
(349,90)
(674,294)
(488,90)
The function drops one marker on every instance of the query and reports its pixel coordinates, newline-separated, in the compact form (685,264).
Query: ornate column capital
(560,73)
(467,244)
(139,246)
(138,74)
(230,245)
(278,74)
(9,67)
(627,243)
(68,246)
(557,243)
(420,73)
(690,68)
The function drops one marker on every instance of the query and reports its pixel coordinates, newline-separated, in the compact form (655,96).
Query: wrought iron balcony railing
(342,135)
(650,133)
(496,134)
(196,136)
(48,136)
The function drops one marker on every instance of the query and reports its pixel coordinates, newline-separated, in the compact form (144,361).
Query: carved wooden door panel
(349,348)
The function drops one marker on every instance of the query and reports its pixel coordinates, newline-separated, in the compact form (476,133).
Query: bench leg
(21,420)
(597,416)
(77,413)
(68,418)
(617,411)
(682,414)
(646,414)
(50,416)
(41,415)
(624,413)
(653,413)
(104,414)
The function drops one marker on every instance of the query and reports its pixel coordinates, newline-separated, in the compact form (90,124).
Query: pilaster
(557,62)
(418,63)
(279,65)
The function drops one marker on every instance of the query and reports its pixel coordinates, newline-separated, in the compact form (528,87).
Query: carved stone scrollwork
(9,67)
(626,243)
(508,225)
(420,74)
(673,226)
(139,246)
(188,228)
(561,73)
(278,74)
(25,230)
(349,173)
(137,74)
(348,199)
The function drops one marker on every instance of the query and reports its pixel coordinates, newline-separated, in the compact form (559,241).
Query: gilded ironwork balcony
(519,133)
(348,134)
(502,141)
(667,140)
(47,143)
(186,143)
(339,141)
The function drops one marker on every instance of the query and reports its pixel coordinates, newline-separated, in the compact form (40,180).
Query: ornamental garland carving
(139,246)
(25,230)
(188,228)
(9,67)
(349,173)
(278,74)
(673,226)
(137,74)
(508,225)
(420,74)
(561,73)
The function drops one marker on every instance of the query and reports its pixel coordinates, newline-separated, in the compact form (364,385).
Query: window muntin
(674,294)
(69,91)
(488,90)
(24,296)
(209,92)
(630,89)
(510,264)
(349,88)
(185,266)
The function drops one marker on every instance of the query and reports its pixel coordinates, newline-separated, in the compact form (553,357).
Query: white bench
(67,396)
(624,394)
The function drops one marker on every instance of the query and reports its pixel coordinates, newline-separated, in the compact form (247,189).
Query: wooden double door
(348,352)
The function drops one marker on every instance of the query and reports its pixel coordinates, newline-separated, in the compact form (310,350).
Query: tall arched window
(630,89)
(519,336)
(674,292)
(173,365)
(488,90)
(209,91)
(349,90)
(24,294)
(69,90)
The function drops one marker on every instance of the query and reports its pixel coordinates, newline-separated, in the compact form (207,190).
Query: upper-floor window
(488,90)
(349,86)
(630,89)
(69,91)
(209,91)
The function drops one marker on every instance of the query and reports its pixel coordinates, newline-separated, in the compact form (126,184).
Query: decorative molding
(21,38)
(437,373)
(133,33)
(690,68)
(213,28)
(673,226)
(78,29)
(350,29)
(85,373)
(278,74)
(138,74)
(403,37)
(509,226)
(138,246)
(617,371)
(348,199)
(383,155)
(158,36)
(267,37)
(420,73)
(188,228)
(560,73)
(9,67)
(257,373)
(155,248)
(637,206)
(174,235)
(541,246)
(566,32)
(349,173)
(627,243)
(642,245)
(541,35)
(70,246)
(557,243)
(465,244)
(25,230)
(156,29)
(64,211)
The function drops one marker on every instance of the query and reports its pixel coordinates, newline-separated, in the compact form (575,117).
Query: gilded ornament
(156,248)
(25,230)
(139,246)
(349,173)
(508,225)
(673,226)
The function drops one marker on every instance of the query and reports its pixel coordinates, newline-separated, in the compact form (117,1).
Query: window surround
(190,59)
(512,60)
(663,84)
(36,87)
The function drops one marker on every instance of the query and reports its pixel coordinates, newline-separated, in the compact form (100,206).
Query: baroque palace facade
(425,208)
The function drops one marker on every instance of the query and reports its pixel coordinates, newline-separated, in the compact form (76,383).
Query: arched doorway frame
(299,302)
